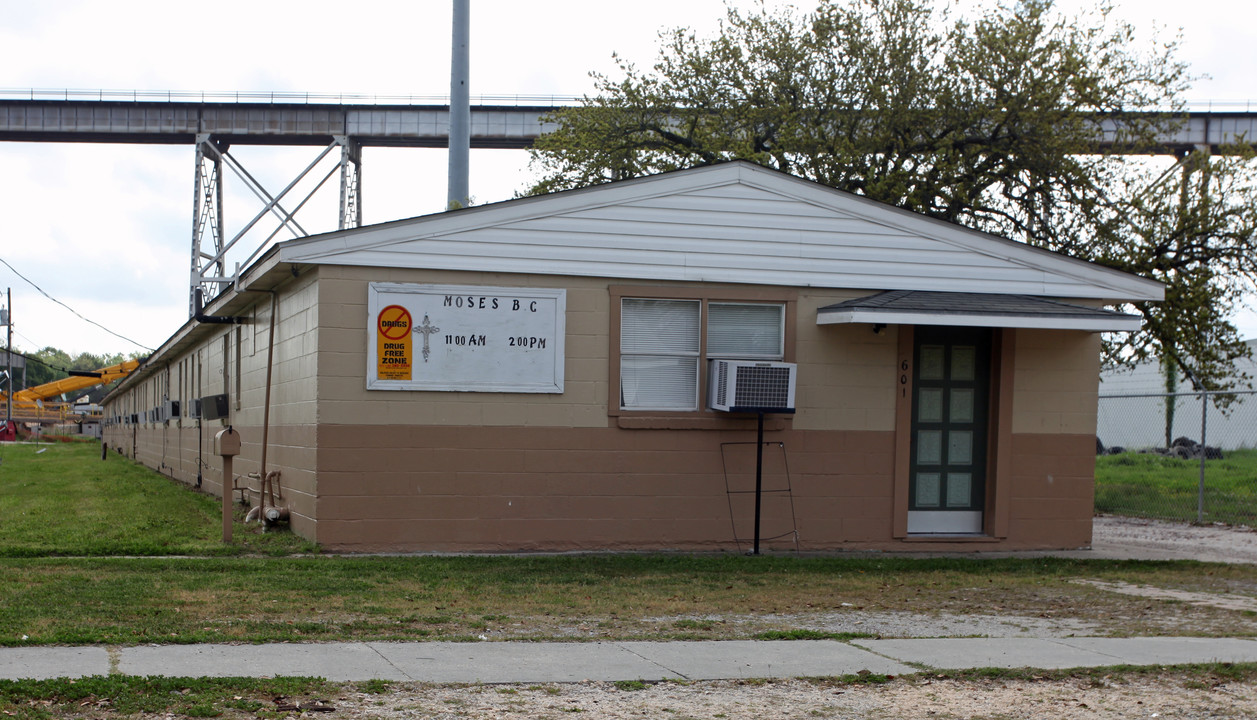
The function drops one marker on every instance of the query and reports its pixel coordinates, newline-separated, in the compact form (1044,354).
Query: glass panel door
(951,386)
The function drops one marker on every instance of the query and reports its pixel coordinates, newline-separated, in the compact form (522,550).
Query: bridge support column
(350,182)
(210,243)
(207,220)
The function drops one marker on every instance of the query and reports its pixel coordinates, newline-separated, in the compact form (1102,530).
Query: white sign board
(465,338)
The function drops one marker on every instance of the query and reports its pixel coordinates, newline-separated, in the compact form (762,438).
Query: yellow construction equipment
(29,401)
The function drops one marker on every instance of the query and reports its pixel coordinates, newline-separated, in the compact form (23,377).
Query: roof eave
(1112,323)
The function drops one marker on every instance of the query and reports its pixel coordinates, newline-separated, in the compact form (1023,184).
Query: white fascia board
(1117,323)
(259,268)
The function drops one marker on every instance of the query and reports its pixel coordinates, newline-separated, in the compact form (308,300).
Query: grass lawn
(66,502)
(1152,486)
(62,499)
(125,601)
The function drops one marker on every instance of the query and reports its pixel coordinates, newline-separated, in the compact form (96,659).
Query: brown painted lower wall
(439,489)
(1053,490)
(506,489)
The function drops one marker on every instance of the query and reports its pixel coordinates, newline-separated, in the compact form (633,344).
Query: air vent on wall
(751,386)
(214,407)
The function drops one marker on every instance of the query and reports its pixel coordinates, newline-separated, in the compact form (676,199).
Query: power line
(67,307)
(32,342)
(37,360)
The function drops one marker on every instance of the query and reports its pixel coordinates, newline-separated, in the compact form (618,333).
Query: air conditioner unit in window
(752,386)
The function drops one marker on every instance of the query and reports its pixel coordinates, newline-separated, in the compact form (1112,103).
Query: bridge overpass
(317,123)
(213,123)
(280,123)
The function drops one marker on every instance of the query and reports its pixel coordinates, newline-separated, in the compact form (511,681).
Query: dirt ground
(1185,695)
(1121,537)
(1167,695)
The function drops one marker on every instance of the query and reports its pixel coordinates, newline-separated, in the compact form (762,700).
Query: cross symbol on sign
(427,329)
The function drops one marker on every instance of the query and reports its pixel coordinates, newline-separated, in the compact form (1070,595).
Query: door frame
(999,438)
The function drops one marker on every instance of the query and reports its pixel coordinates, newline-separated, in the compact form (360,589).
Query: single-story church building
(593,369)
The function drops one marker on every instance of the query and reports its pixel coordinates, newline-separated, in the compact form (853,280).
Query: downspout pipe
(212,319)
(266,405)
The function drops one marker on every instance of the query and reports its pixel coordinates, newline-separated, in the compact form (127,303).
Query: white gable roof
(730,223)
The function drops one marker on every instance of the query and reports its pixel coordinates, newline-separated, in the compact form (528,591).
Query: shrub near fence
(1188,457)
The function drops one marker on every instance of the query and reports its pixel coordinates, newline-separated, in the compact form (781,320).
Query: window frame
(687,356)
(702,416)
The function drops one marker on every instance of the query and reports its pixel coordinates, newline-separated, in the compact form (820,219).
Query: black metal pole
(759,475)
(8,355)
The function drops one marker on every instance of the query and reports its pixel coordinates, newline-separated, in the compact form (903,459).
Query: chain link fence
(1188,457)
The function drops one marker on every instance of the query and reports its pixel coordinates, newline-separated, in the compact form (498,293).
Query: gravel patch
(908,624)
(923,697)
(1164,695)
(1135,538)
(1225,601)
(1167,694)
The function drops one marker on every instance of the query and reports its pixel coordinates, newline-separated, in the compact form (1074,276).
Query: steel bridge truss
(210,245)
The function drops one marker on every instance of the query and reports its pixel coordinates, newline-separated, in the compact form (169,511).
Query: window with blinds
(662,350)
(745,331)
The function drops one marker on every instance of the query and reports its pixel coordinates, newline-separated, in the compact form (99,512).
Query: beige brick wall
(180,448)
(511,471)
(343,342)
(1056,382)
(846,372)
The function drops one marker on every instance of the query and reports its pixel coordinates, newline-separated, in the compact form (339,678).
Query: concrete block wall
(343,343)
(403,470)
(183,448)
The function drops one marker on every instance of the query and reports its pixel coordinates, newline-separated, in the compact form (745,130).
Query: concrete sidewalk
(515,662)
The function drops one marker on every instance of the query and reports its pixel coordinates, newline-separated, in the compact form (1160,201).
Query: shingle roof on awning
(917,307)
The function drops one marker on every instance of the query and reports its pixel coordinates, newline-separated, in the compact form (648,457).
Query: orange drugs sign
(393,347)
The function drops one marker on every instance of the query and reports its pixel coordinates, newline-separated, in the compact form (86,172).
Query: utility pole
(460,108)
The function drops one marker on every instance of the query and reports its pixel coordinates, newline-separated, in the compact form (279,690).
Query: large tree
(989,121)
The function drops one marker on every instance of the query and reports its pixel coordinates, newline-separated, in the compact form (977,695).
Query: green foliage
(1156,486)
(375,687)
(102,696)
(1207,674)
(987,119)
(1192,226)
(46,365)
(810,635)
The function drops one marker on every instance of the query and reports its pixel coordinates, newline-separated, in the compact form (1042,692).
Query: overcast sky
(107,229)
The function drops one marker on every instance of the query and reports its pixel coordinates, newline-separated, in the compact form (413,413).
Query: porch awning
(918,307)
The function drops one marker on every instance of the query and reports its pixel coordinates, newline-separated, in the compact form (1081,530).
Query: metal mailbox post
(227,445)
